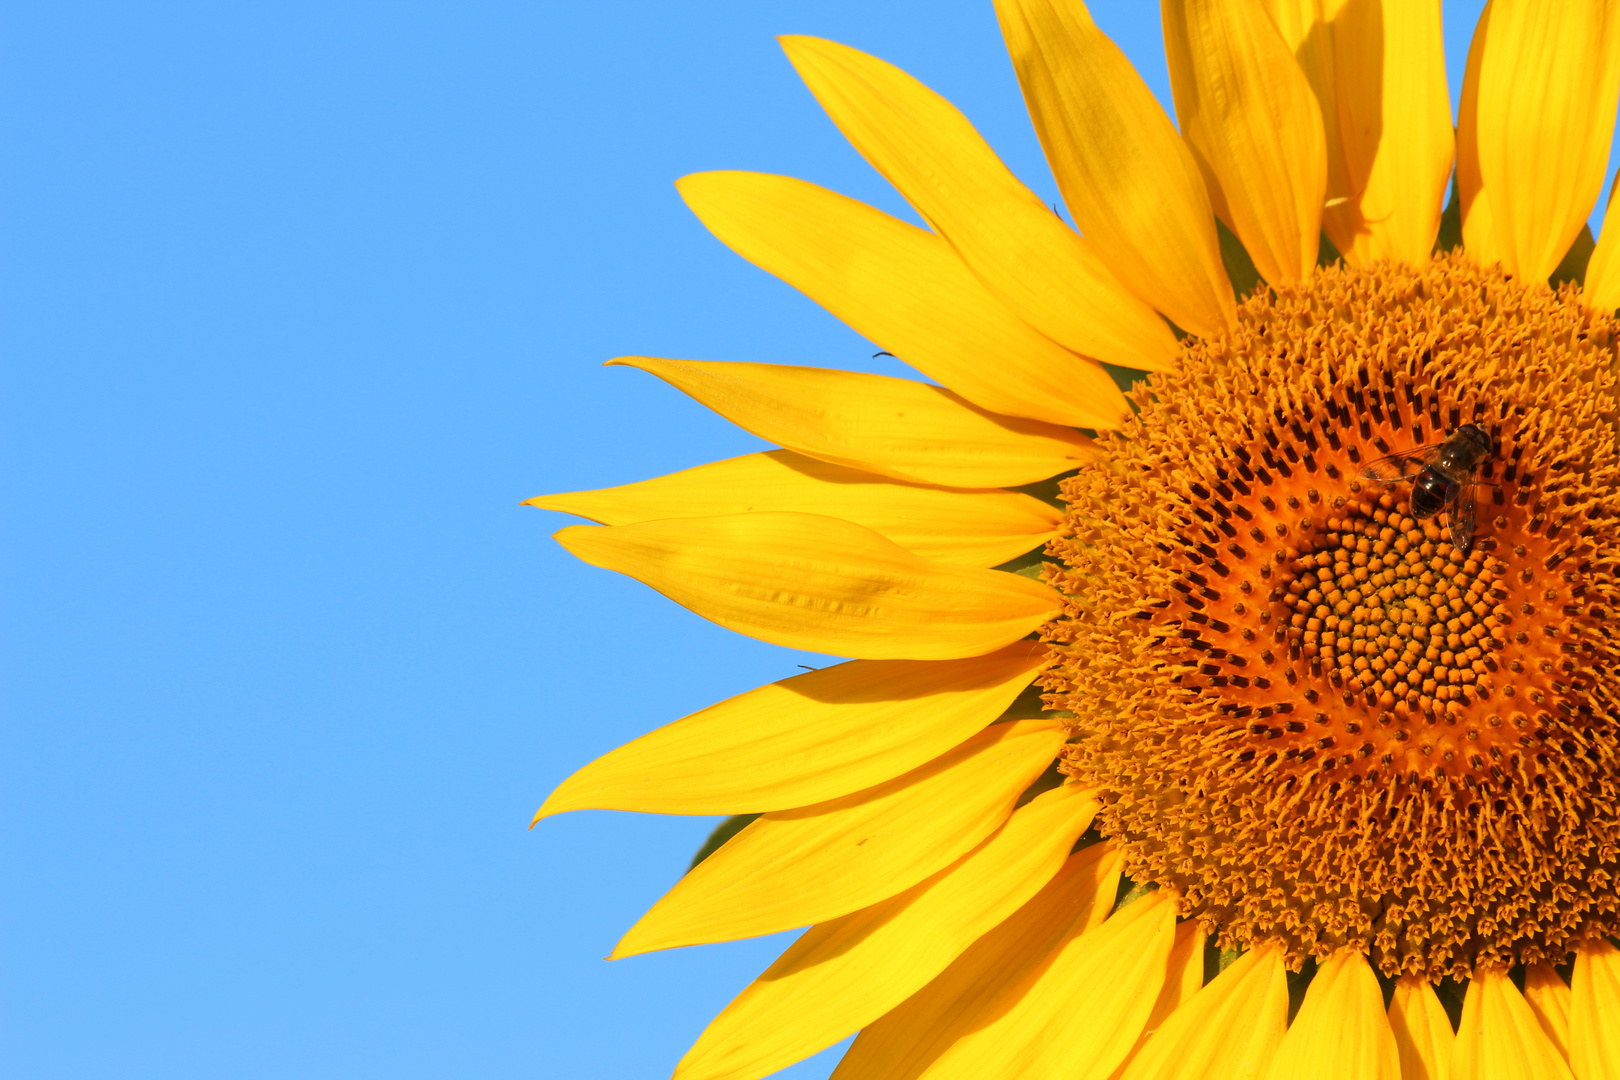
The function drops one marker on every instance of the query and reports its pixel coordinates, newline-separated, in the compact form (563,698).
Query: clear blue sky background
(299,301)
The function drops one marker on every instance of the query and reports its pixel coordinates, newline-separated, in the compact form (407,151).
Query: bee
(1443,477)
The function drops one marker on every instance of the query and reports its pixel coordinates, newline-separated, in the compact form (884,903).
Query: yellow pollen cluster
(1309,712)
(1384,613)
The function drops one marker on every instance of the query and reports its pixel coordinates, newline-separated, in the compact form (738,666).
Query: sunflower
(1180,737)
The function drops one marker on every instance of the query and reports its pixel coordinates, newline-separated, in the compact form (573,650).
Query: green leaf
(722,832)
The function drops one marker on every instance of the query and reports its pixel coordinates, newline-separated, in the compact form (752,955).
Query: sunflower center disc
(1308,711)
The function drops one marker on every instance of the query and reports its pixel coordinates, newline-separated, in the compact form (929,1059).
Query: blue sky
(299,301)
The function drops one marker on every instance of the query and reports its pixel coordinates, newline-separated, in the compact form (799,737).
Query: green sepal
(722,832)
(1049,491)
(1043,783)
(1451,994)
(1298,982)
(1125,378)
(1026,565)
(1450,224)
(1032,571)
(1217,959)
(1129,892)
(1027,705)
(1386,985)
(1240,269)
(1327,252)
(1573,265)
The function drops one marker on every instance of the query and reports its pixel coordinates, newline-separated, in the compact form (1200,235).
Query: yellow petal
(1395,129)
(1080,1014)
(1549,998)
(970,528)
(899,428)
(1127,177)
(1499,1037)
(1228,1031)
(1422,1030)
(908,1038)
(1473,201)
(1255,129)
(819,583)
(806,739)
(795,867)
(1602,288)
(1539,111)
(907,290)
(1307,27)
(1594,1016)
(842,975)
(1341,1032)
(1014,243)
(1184,977)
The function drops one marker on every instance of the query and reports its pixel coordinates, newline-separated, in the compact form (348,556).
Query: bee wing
(1462,517)
(1401,466)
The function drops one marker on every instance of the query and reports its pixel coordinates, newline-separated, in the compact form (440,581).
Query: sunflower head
(1315,716)
(1312,655)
